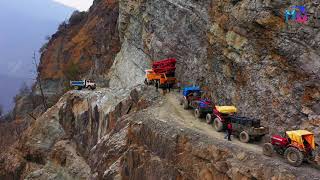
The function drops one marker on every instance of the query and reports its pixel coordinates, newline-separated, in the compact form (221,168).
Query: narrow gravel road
(171,109)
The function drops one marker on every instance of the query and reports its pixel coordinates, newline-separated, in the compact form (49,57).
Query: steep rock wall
(87,47)
(58,144)
(242,52)
(269,69)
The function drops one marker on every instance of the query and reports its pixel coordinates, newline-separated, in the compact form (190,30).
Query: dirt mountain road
(170,109)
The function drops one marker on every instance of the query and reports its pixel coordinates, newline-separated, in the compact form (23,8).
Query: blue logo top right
(296,14)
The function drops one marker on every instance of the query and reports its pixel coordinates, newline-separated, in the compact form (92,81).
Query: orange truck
(162,73)
(159,79)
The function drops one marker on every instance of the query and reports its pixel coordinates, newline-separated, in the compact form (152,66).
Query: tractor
(190,94)
(296,146)
(243,127)
(192,98)
(221,114)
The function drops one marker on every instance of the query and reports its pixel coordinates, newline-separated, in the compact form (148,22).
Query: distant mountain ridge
(25,24)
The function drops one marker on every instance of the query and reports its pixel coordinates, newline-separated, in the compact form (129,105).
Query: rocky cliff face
(132,134)
(86,47)
(242,52)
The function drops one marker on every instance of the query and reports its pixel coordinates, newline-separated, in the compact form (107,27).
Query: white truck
(83,84)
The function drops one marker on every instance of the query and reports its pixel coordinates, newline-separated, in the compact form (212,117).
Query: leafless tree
(39,81)
(1,111)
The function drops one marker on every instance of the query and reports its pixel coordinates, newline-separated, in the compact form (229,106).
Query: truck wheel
(217,124)
(208,119)
(293,156)
(267,149)
(244,137)
(185,104)
(146,82)
(197,113)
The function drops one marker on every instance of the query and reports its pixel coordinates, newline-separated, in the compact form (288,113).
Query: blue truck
(191,98)
(83,84)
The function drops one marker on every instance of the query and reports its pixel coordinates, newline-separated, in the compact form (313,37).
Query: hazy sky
(78,4)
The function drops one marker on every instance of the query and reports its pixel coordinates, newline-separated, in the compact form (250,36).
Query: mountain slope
(241,52)
(25,24)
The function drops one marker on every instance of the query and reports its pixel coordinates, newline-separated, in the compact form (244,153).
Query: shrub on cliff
(24,90)
(76,17)
(63,26)
(43,47)
(72,73)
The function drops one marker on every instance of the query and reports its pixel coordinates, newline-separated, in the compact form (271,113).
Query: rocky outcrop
(259,63)
(242,52)
(27,108)
(86,47)
(119,135)
(58,141)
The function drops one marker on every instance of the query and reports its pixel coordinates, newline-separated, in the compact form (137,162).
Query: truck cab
(159,79)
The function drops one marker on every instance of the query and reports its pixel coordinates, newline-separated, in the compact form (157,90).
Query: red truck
(162,73)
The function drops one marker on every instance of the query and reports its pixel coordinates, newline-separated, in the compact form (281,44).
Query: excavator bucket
(299,135)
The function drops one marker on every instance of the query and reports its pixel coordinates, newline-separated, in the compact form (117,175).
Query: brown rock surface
(90,45)
(241,51)
(108,135)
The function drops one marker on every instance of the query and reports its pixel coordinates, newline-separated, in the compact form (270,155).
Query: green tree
(72,73)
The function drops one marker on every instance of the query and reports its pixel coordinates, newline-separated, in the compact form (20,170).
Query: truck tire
(244,137)
(197,113)
(293,156)
(217,124)
(267,149)
(146,82)
(185,104)
(92,87)
(208,118)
